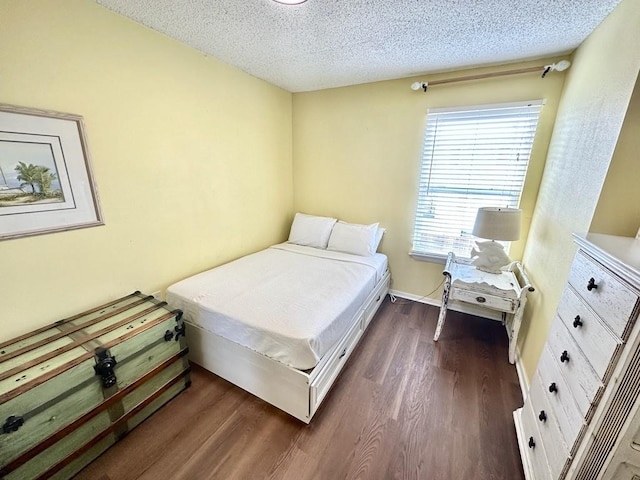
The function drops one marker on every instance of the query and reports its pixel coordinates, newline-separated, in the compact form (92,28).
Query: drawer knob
(553,388)
(542,416)
(344,352)
(592,284)
(481,299)
(532,443)
(564,356)
(577,322)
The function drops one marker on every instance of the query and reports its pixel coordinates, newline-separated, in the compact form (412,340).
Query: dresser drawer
(592,360)
(611,299)
(599,345)
(574,366)
(566,411)
(534,445)
(555,446)
(488,301)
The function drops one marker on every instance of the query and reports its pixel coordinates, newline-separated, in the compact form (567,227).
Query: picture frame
(46,180)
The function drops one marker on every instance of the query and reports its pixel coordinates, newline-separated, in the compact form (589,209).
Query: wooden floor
(404,407)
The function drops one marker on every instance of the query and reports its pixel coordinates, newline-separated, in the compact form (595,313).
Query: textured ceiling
(331,43)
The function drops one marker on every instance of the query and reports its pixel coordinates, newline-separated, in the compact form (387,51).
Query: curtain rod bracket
(415,86)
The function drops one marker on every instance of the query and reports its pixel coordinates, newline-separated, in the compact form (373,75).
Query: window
(472,157)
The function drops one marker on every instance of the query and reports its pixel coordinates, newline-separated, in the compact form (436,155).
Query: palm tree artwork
(36,178)
(44,178)
(27,175)
(36,175)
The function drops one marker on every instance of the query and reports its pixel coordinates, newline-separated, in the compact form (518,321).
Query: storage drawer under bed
(377,297)
(321,384)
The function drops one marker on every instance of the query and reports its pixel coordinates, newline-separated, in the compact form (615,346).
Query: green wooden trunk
(70,390)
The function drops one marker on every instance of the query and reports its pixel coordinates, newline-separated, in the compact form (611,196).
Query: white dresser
(581,417)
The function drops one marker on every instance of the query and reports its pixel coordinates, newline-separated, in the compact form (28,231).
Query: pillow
(310,230)
(379,235)
(354,238)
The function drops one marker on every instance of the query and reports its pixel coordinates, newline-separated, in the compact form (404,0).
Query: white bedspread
(289,302)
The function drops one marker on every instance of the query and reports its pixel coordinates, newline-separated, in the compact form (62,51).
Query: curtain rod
(560,66)
(480,76)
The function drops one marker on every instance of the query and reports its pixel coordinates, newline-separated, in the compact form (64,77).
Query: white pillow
(354,238)
(379,235)
(310,230)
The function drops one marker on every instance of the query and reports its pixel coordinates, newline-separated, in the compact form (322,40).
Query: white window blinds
(472,157)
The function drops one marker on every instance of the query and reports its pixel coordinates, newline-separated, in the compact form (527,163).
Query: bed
(281,323)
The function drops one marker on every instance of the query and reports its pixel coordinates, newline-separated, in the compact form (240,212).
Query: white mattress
(288,302)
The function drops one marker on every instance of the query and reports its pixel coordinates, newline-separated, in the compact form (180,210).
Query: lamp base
(489,257)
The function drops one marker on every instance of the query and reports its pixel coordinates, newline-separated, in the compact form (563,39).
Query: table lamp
(494,223)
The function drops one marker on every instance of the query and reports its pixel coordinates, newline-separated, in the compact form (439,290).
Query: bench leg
(514,330)
(443,308)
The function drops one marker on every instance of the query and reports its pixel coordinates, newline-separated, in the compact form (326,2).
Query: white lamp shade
(495,223)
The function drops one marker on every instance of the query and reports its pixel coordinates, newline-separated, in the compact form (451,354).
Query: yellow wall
(357,155)
(618,209)
(192,158)
(595,97)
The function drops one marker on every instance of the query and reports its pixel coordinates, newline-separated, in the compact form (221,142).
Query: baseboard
(522,378)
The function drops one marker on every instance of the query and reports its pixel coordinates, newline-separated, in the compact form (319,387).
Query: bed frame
(297,392)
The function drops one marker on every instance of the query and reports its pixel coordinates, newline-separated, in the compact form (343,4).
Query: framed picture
(46,183)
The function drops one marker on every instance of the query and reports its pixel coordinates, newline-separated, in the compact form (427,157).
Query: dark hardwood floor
(404,407)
